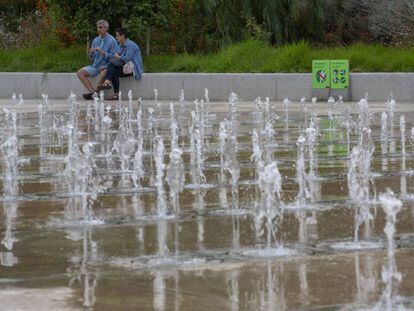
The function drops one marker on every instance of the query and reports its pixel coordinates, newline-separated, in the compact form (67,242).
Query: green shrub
(248,56)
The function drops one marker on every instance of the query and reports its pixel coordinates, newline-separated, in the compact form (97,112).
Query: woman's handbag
(128,68)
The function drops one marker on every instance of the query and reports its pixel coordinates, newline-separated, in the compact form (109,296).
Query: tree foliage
(391,21)
(285,20)
(81,16)
(177,26)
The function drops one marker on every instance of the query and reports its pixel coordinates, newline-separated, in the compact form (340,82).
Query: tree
(391,21)
(80,16)
(286,20)
(14,11)
(140,17)
(146,15)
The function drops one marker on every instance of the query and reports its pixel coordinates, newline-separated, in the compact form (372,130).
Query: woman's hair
(122,31)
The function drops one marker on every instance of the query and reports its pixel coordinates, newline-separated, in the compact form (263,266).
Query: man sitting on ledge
(105,42)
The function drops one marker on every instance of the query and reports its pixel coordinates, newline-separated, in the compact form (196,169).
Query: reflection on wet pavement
(206,206)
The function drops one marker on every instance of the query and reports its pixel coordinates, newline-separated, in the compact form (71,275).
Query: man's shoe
(87,96)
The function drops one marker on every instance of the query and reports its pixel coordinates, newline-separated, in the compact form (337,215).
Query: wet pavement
(213,255)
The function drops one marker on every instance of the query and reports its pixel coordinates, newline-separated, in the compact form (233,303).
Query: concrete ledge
(276,86)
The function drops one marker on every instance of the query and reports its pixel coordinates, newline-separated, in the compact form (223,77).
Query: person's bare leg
(83,77)
(101,77)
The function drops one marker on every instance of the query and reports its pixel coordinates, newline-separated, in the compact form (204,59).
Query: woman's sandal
(112,97)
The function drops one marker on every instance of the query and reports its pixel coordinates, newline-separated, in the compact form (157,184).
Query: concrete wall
(276,86)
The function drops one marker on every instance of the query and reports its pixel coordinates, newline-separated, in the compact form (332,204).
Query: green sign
(321,74)
(339,74)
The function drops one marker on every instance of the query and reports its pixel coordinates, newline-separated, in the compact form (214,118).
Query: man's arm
(109,52)
(112,47)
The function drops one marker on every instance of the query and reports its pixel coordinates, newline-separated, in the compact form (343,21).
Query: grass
(249,56)
(43,58)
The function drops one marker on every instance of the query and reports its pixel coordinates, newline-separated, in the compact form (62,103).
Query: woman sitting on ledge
(124,62)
